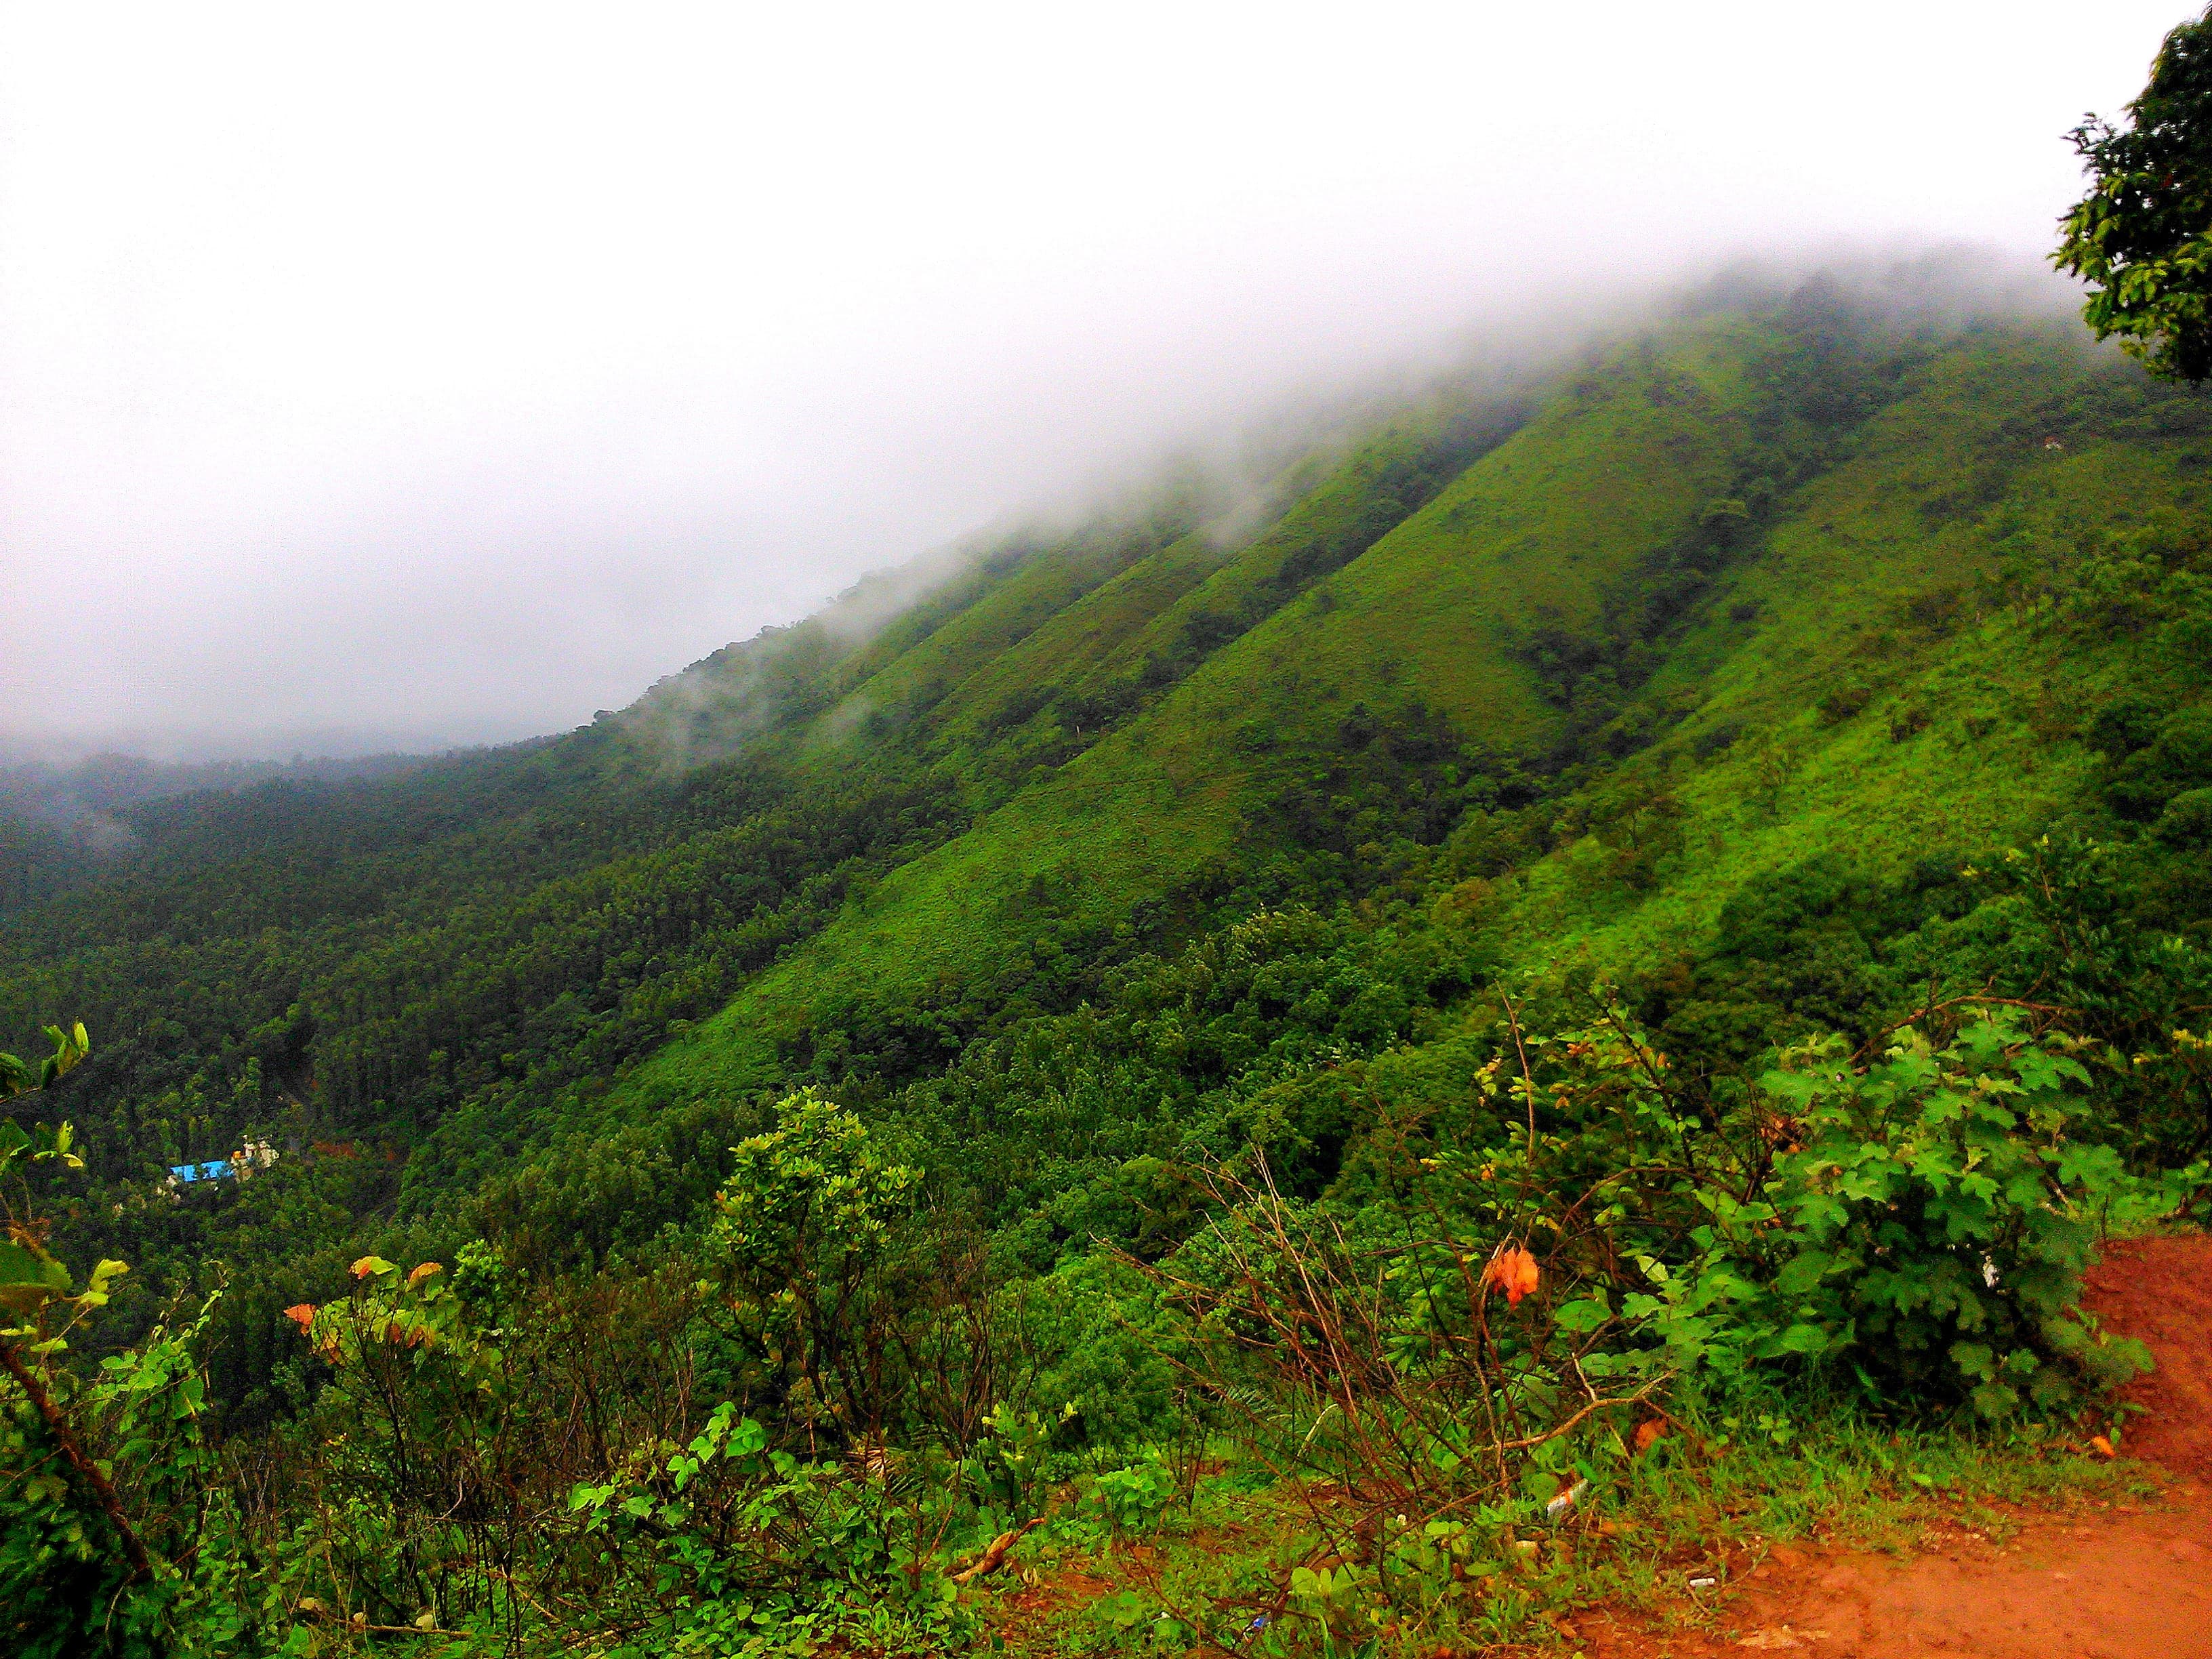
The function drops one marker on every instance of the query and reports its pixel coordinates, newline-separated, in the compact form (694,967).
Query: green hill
(1544,680)
(1553,596)
(1603,941)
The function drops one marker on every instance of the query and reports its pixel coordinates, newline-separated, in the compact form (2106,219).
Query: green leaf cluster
(2142,235)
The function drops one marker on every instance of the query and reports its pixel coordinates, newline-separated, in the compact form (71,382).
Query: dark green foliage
(2176,759)
(1352,812)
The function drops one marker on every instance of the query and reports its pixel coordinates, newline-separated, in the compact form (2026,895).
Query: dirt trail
(2126,1580)
(2161,1289)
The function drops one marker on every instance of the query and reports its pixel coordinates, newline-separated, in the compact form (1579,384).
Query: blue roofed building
(248,1161)
(217,1169)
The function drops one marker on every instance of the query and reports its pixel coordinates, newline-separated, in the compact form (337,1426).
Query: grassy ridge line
(1617,465)
(1614,466)
(967,644)
(998,664)
(1114,791)
(1093,632)
(1256,577)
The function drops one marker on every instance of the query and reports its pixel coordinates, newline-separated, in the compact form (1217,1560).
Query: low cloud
(443,378)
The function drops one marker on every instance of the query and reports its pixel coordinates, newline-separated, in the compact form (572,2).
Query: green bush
(2187,820)
(805,1217)
(1133,1500)
(1939,1214)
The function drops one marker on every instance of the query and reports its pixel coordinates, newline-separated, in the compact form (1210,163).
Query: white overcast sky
(445,372)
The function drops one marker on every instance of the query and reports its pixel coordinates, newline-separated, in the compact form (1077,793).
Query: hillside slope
(1500,606)
(1705,668)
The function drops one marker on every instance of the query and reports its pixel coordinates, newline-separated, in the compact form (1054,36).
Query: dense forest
(1242,1051)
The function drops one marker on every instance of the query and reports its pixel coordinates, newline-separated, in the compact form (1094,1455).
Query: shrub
(806,1213)
(1842,703)
(1712,742)
(1938,1217)
(2187,820)
(1916,1228)
(1132,1499)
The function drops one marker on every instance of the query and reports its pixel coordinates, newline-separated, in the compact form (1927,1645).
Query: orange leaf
(1524,1277)
(423,1272)
(1513,1270)
(302,1313)
(1647,1433)
(2101,1446)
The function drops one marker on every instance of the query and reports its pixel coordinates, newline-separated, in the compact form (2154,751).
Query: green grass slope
(1707,668)
(1876,697)
(1537,534)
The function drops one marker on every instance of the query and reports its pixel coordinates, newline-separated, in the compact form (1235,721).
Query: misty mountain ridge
(1810,659)
(989,673)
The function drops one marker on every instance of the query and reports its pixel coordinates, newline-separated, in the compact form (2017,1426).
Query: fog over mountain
(421,378)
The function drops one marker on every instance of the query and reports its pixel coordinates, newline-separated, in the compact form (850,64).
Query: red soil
(2127,1580)
(2161,1289)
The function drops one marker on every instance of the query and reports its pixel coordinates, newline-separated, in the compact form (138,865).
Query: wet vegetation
(1337,1078)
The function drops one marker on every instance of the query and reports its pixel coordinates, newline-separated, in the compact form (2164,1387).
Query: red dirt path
(2123,1581)
(2161,1289)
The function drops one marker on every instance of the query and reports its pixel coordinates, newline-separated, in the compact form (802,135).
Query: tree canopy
(2141,235)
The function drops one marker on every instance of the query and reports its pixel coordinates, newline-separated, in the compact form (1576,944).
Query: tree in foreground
(2141,236)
